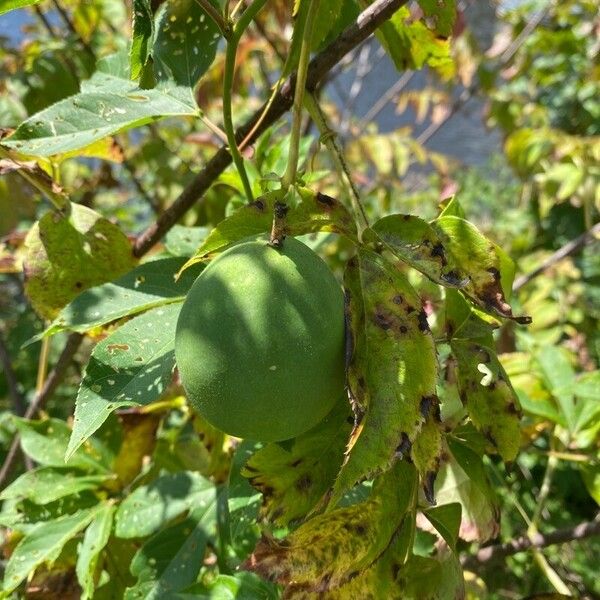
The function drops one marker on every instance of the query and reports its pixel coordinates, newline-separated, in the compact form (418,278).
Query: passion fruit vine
(260,340)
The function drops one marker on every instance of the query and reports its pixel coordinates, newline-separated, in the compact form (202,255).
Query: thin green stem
(232,45)
(289,176)
(221,22)
(329,139)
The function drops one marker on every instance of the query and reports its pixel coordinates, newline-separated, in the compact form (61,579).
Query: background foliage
(108,112)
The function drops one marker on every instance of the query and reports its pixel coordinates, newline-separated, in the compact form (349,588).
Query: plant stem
(223,24)
(289,176)
(329,138)
(232,44)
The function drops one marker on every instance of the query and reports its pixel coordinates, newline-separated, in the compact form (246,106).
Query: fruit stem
(230,55)
(329,139)
(289,177)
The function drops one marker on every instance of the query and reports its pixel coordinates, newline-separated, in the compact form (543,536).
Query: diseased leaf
(43,544)
(147,286)
(170,560)
(490,269)
(131,367)
(440,15)
(393,369)
(150,506)
(44,485)
(95,539)
(446,520)
(143,32)
(185,43)
(462,479)
(427,449)
(315,212)
(418,244)
(294,476)
(69,253)
(485,389)
(329,549)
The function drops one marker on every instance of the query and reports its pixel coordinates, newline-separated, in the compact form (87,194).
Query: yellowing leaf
(330,549)
(392,371)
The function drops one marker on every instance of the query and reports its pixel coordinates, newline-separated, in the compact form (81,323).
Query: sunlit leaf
(293,476)
(149,507)
(69,253)
(392,373)
(95,539)
(329,549)
(131,367)
(8,5)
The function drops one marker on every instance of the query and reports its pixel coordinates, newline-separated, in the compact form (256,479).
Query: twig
(223,25)
(569,248)
(539,540)
(366,23)
(18,401)
(51,383)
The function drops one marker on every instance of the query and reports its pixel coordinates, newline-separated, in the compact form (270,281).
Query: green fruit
(260,341)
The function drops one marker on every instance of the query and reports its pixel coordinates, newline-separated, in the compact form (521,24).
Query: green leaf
(185,43)
(440,15)
(411,45)
(293,476)
(143,32)
(46,442)
(418,244)
(131,367)
(69,253)
(488,395)
(43,544)
(490,269)
(8,5)
(106,104)
(44,485)
(446,520)
(393,369)
(184,241)
(148,286)
(315,212)
(171,560)
(151,506)
(241,586)
(95,539)
(462,479)
(329,549)
(427,449)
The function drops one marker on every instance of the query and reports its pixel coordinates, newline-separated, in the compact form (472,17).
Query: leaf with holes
(462,479)
(46,484)
(314,212)
(43,544)
(415,242)
(94,540)
(293,476)
(69,253)
(131,367)
(147,286)
(393,368)
(328,550)
(171,559)
(490,269)
(151,506)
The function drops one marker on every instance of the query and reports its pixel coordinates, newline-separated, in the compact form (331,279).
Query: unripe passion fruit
(260,340)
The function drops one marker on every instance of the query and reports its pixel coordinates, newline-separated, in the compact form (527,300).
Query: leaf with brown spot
(393,366)
(490,269)
(329,549)
(462,479)
(293,477)
(491,402)
(427,454)
(418,244)
(69,253)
